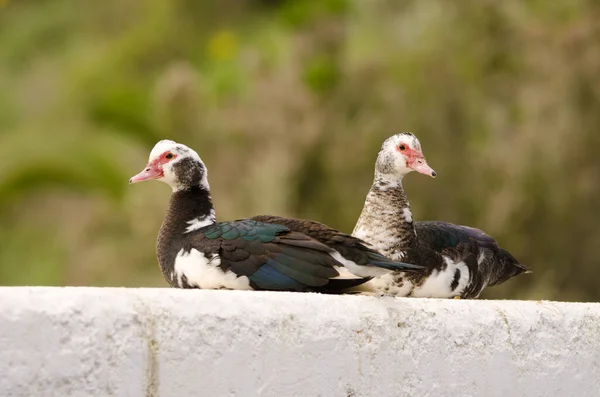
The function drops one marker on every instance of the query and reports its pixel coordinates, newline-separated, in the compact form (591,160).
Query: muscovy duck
(460,260)
(196,251)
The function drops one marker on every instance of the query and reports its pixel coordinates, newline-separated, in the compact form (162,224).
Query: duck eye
(169,156)
(402,147)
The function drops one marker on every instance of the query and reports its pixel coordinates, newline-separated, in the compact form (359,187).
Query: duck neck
(386,220)
(189,209)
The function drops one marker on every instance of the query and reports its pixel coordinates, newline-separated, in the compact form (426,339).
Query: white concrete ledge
(166,342)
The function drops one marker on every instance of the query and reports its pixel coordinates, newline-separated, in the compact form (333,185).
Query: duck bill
(147,174)
(420,165)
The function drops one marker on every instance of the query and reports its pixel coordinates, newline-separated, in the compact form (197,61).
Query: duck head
(174,164)
(399,155)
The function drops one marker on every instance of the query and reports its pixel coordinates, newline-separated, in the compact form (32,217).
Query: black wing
(442,235)
(350,247)
(273,257)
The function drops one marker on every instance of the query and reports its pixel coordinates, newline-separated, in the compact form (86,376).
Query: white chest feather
(441,282)
(200,222)
(203,272)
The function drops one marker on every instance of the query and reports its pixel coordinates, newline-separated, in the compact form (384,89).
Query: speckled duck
(461,261)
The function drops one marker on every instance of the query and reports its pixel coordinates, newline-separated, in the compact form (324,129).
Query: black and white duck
(196,251)
(461,261)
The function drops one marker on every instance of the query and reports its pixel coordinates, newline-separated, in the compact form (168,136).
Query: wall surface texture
(171,343)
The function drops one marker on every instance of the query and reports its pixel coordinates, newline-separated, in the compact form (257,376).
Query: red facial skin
(415,160)
(154,169)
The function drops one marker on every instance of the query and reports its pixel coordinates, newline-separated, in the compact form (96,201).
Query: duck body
(494,265)
(460,261)
(196,251)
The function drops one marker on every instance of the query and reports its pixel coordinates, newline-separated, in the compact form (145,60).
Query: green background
(287,102)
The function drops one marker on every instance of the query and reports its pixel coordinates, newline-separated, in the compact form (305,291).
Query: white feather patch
(203,272)
(438,284)
(362,271)
(385,285)
(201,221)
(345,274)
(407,215)
(161,147)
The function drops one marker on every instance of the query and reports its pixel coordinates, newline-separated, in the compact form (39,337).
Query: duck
(195,251)
(461,261)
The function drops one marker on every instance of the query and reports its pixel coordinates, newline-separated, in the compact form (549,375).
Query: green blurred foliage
(288,102)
